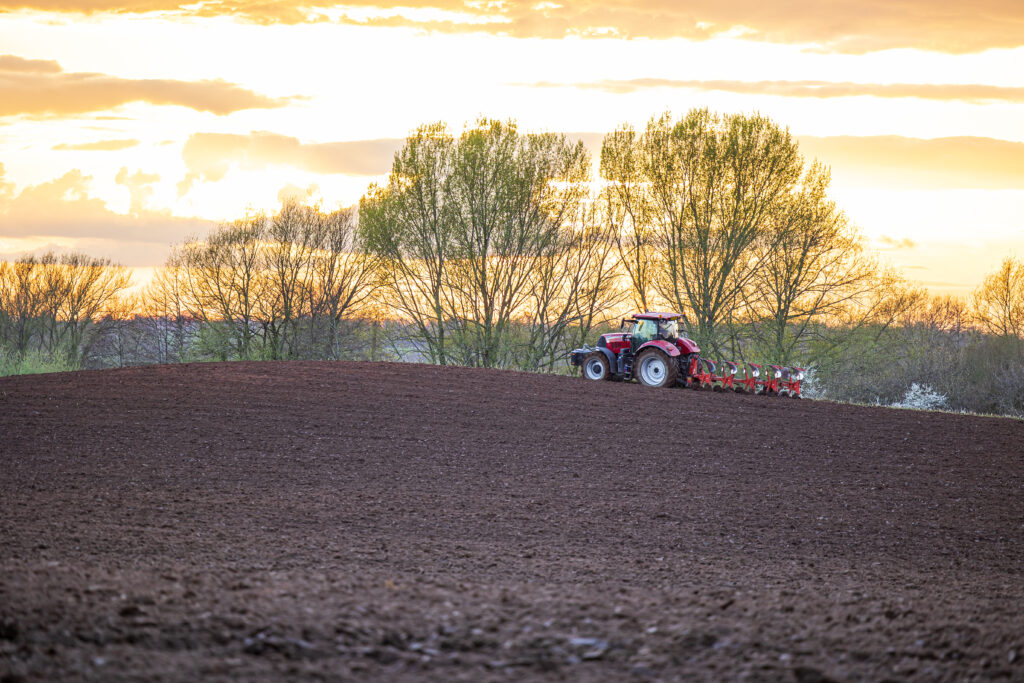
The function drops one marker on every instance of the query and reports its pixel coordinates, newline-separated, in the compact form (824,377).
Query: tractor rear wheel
(655,369)
(595,366)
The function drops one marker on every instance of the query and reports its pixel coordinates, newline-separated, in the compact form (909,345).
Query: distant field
(342,521)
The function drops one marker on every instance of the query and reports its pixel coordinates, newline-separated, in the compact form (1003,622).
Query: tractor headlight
(799,376)
(778,374)
(756,373)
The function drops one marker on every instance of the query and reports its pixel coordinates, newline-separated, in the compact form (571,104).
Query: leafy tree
(704,186)
(810,269)
(407,224)
(573,291)
(483,234)
(629,212)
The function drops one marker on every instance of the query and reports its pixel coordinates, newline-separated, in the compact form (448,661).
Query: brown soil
(343,521)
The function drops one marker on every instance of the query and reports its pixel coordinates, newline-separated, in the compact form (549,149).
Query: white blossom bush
(922,397)
(811,386)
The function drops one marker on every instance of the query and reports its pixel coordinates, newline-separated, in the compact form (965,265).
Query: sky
(128,127)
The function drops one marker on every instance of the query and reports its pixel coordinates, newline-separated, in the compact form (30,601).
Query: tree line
(496,248)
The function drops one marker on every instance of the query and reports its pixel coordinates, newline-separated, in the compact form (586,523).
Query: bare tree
(289,246)
(22,303)
(166,310)
(343,278)
(224,275)
(999,301)
(93,286)
(53,303)
(263,287)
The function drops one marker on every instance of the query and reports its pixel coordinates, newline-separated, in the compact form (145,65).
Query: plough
(777,380)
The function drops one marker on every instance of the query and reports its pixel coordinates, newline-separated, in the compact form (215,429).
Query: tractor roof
(651,315)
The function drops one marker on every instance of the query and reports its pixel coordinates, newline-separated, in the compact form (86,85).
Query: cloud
(853,26)
(20,64)
(209,156)
(815,89)
(140,188)
(37,87)
(897,243)
(872,161)
(940,163)
(303,195)
(62,208)
(892,161)
(98,146)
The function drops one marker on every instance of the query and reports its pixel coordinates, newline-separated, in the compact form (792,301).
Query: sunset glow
(126,128)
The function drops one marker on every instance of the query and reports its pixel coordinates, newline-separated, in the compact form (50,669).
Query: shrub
(922,397)
(812,386)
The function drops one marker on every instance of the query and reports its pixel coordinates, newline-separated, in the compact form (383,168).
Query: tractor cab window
(643,332)
(668,329)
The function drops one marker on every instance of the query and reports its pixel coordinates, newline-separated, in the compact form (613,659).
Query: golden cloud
(853,26)
(98,146)
(874,161)
(209,156)
(62,208)
(140,188)
(887,242)
(15,63)
(292,192)
(6,186)
(898,162)
(969,92)
(35,87)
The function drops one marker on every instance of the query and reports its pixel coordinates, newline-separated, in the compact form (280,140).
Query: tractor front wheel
(595,366)
(655,369)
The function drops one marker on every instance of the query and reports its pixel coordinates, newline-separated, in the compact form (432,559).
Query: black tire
(655,369)
(595,366)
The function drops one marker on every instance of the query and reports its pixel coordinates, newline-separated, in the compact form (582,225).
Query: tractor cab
(648,327)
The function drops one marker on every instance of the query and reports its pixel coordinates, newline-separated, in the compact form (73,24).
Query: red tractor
(656,354)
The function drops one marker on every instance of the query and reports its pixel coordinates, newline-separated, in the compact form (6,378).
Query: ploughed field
(344,521)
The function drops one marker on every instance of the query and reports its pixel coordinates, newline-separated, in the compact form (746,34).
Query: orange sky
(127,127)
